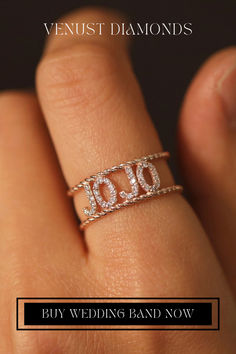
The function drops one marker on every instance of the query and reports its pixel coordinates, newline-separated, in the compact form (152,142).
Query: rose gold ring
(101,207)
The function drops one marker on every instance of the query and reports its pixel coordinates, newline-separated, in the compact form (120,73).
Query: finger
(207,139)
(101,96)
(40,246)
(34,211)
(97,118)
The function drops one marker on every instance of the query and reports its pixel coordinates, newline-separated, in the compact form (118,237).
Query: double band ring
(100,207)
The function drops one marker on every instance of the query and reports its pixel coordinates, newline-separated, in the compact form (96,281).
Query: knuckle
(77,76)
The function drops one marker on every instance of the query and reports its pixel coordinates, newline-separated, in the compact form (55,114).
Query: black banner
(117,313)
(99,313)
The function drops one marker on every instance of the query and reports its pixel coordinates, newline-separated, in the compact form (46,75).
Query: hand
(88,99)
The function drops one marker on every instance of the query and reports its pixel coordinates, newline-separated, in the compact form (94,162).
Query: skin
(88,114)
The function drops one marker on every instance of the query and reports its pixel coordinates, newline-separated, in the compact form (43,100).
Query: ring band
(137,181)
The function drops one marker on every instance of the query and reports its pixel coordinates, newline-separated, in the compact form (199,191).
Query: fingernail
(227,90)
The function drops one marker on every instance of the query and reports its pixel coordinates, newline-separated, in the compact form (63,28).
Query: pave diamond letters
(133,182)
(112,190)
(91,199)
(94,195)
(154,174)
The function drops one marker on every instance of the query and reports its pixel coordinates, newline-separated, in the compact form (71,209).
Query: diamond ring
(100,207)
